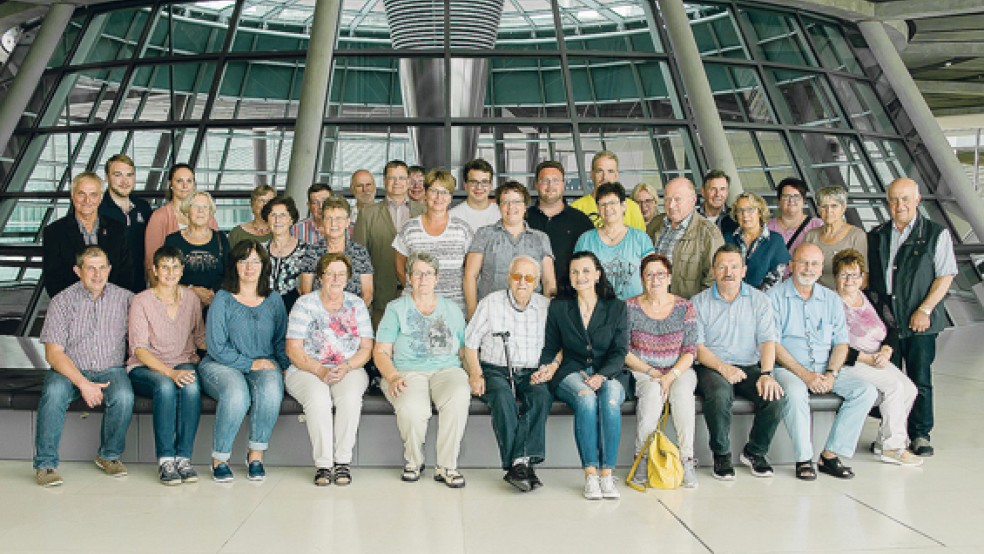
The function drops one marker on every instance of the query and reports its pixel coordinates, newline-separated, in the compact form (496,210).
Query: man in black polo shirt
(563,224)
(133,213)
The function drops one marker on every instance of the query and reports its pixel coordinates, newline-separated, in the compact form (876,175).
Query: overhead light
(947,64)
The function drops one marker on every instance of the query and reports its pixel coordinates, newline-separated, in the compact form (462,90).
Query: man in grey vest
(911,267)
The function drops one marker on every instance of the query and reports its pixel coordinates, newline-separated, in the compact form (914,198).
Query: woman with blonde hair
(765,253)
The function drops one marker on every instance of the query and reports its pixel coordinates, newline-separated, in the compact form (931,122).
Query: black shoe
(759,465)
(834,467)
(723,469)
(920,447)
(519,477)
(535,481)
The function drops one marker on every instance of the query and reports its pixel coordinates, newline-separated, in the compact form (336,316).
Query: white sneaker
(689,473)
(901,457)
(608,490)
(592,487)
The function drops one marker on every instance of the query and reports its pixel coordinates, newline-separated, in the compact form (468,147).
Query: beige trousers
(332,435)
(683,409)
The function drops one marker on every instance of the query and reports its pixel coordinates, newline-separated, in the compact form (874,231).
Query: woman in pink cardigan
(168,218)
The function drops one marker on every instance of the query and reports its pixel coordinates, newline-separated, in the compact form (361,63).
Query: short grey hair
(835,192)
(524,258)
(423,257)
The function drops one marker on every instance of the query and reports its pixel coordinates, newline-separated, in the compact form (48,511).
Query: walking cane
(504,335)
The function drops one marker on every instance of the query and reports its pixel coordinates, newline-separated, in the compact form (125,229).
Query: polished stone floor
(936,508)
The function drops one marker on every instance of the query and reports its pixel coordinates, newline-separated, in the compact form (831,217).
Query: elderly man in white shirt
(503,342)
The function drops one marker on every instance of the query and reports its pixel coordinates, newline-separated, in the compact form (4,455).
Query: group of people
(514,302)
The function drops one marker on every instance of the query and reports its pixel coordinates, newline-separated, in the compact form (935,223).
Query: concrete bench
(22,372)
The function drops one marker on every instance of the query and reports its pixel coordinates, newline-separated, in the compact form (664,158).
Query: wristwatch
(925,310)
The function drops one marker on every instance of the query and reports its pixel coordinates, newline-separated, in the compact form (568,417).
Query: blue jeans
(235,391)
(176,410)
(597,418)
(59,392)
(858,394)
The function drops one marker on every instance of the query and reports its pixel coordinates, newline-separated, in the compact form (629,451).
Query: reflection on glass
(806,99)
(82,98)
(832,47)
(738,93)
(762,159)
(715,31)
(184,29)
(112,36)
(891,161)
(526,87)
(836,160)
(345,150)
(777,37)
(521,148)
(168,92)
(862,105)
(611,88)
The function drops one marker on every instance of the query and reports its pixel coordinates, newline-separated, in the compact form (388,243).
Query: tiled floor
(937,508)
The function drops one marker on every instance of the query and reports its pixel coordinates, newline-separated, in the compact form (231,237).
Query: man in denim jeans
(84,338)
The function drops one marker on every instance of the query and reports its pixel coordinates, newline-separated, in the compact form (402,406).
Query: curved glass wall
(217,84)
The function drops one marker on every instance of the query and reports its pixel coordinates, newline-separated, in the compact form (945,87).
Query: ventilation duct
(424,82)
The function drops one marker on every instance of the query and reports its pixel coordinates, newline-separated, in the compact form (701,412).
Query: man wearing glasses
(309,230)
(376,228)
(562,223)
(513,319)
(477,210)
(604,169)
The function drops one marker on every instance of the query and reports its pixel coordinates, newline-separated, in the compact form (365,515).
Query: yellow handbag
(665,469)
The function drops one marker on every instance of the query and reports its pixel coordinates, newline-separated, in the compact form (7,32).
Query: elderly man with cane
(502,347)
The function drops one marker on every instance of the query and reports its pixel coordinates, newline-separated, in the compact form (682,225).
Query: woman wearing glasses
(205,249)
(662,347)
(495,246)
(870,356)
(836,234)
(618,246)
(445,237)
(419,354)
(645,195)
(765,254)
(245,333)
(336,214)
(793,223)
(292,260)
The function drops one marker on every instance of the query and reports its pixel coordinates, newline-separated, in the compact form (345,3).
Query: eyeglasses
(423,275)
(850,276)
(659,275)
(336,275)
(522,276)
(250,261)
(199,207)
(791,198)
(646,202)
(606,205)
(513,202)
(439,191)
(477,182)
(750,210)
(279,215)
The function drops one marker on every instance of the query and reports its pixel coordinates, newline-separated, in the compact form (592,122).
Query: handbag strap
(661,426)
(640,456)
(799,230)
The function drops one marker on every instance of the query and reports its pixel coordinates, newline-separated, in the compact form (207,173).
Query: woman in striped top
(662,347)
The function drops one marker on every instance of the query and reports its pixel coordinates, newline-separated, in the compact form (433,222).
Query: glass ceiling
(368,17)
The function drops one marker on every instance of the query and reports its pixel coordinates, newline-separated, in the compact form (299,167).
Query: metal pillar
(314,96)
(951,172)
(709,127)
(19,94)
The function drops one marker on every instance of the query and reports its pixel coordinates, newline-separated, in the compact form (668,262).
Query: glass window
(258,36)
(516,150)
(153,151)
(181,29)
(831,46)
(83,97)
(112,36)
(891,160)
(835,160)
(862,105)
(777,37)
(738,93)
(526,87)
(260,89)
(806,99)
(240,159)
(651,155)
(624,88)
(632,36)
(66,42)
(870,213)
(345,150)
(715,31)
(169,92)
(762,158)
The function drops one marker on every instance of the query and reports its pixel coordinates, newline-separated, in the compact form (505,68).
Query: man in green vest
(911,267)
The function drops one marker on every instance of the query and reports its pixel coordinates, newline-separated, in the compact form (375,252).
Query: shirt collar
(743,290)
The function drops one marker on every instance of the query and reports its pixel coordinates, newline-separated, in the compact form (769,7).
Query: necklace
(617,236)
(176,297)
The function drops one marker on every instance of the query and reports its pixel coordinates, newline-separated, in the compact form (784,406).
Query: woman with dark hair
(170,218)
(618,246)
(494,247)
(583,358)
(336,214)
(662,348)
(329,340)
(165,328)
(205,249)
(792,223)
(292,260)
(245,333)
(256,228)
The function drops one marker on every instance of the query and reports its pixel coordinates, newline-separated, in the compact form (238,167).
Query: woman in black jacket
(587,324)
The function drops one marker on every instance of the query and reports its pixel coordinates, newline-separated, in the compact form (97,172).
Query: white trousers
(683,409)
(332,435)
(896,393)
(451,394)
